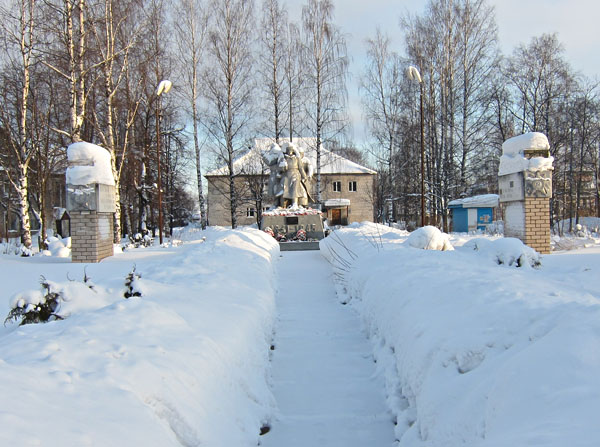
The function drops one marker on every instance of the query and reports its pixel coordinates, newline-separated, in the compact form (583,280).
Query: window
(352,186)
(250,212)
(337,186)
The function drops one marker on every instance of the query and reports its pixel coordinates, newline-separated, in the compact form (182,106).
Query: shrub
(36,306)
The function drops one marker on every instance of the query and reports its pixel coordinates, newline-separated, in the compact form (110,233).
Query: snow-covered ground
(324,380)
(185,364)
(476,352)
(473,349)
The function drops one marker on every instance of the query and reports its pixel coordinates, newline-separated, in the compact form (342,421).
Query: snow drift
(185,364)
(475,352)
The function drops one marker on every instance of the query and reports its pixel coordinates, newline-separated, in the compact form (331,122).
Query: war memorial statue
(290,173)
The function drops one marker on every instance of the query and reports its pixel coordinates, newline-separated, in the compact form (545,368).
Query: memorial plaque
(511,187)
(81,198)
(106,198)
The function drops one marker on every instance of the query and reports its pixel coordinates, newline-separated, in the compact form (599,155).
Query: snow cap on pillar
(89,164)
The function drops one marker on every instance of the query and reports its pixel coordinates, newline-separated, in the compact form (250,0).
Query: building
(473,213)
(347,188)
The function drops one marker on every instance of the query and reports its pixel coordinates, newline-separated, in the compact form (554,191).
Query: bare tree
(272,62)
(20,29)
(382,99)
(326,64)
(229,83)
(294,77)
(191,28)
(116,33)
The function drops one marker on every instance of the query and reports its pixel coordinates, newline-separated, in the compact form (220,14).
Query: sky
(575,21)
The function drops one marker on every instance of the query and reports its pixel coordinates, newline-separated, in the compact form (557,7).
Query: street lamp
(414,75)
(163,87)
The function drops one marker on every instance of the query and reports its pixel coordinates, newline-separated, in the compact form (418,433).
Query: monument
(525,183)
(290,219)
(90,202)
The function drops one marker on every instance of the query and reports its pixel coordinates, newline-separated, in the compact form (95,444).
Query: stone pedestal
(290,224)
(525,183)
(91,236)
(537,224)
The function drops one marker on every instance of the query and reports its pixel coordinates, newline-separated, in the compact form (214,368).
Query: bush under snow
(429,238)
(506,251)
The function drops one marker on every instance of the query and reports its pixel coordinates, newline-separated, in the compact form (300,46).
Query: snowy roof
(482,201)
(337,202)
(331,163)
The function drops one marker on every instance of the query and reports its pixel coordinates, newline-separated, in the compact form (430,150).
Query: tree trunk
(23,206)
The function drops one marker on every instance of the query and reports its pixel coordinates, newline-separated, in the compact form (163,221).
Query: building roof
(482,201)
(331,163)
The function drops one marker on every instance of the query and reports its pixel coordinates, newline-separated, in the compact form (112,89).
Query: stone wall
(91,236)
(537,225)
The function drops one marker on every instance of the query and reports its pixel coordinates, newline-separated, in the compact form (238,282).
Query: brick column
(91,236)
(537,223)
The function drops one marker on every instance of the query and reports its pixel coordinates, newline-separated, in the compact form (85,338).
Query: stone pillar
(525,183)
(537,223)
(91,236)
(90,202)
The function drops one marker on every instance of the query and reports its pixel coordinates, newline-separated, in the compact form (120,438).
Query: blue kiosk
(473,213)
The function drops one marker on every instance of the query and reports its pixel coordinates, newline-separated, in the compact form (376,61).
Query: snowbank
(185,364)
(88,163)
(429,238)
(475,353)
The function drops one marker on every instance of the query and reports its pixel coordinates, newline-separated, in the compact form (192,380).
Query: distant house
(347,188)
(473,213)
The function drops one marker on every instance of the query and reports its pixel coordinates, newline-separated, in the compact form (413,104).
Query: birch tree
(20,29)
(116,33)
(229,84)
(326,63)
(382,100)
(272,62)
(191,29)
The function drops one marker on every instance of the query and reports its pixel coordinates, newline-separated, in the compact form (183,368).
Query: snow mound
(429,238)
(513,160)
(506,251)
(58,247)
(531,140)
(89,163)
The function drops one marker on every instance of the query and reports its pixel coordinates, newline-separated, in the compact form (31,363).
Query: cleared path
(323,371)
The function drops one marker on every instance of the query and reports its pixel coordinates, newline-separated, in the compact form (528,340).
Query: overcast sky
(575,21)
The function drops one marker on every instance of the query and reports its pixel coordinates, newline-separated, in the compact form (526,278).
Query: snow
(323,372)
(475,352)
(483,200)
(88,164)
(336,202)
(292,210)
(331,163)
(512,159)
(185,364)
(486,345)
(531,140)
(429,238)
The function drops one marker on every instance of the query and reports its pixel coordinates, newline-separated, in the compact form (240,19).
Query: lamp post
(414,75)
(163,87)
